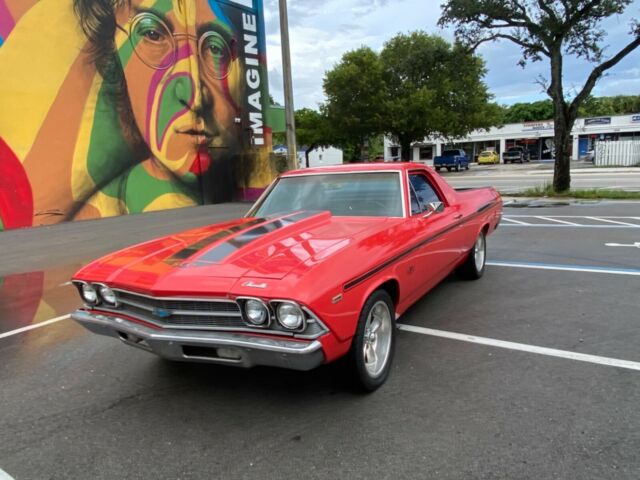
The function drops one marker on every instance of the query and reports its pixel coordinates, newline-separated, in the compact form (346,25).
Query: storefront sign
(598,121)
(635,118)
(535,126)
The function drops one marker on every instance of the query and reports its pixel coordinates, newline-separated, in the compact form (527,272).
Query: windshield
(375,194)
(515,150)
(451,153)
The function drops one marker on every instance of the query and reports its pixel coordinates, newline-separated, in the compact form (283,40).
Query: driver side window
(421,194)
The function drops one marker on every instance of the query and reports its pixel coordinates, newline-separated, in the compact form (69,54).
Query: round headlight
(89,293)
(290,316)
(256,312)
(108,295)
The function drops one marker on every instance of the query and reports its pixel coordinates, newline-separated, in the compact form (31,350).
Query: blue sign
(598,121)
(635,118)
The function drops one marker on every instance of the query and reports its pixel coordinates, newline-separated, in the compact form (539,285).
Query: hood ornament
(254,285)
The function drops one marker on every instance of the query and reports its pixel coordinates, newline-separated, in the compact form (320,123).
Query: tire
(369,374)
(474,265)
(467,167)
(448,169)
(457,168)
(437,169)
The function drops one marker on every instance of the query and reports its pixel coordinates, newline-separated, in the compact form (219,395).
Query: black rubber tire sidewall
(468,270)
(363,382)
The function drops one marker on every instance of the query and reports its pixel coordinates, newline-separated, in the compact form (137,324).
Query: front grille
(181,313)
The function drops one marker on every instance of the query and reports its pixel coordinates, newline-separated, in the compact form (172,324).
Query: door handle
(457,216)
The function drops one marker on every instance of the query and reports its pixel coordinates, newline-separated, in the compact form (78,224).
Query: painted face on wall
(183,78)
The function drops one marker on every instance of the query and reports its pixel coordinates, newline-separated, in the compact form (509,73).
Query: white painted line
(4,475)
(551,352)
(515,221)
(549,219)
(600,219)
(578,216)
(556,225)
(636,245)
(31,327)
(567,268)
(65,284)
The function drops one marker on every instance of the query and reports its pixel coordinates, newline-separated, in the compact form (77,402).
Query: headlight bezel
(243,302)
(80,285)
(301,327)
(100,287)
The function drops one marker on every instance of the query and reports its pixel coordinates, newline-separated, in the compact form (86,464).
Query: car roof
(357,168)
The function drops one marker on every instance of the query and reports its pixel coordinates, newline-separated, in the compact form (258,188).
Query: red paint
(317,258)
(16,198)
(201,163)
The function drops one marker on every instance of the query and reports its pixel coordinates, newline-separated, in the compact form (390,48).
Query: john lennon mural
(122,106)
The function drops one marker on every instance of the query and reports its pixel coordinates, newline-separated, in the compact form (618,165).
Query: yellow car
(488,156)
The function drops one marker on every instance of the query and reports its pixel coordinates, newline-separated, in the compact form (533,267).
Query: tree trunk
(306,154)
(562,125)
(562,147)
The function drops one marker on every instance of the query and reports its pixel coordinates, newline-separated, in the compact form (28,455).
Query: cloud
(321,31)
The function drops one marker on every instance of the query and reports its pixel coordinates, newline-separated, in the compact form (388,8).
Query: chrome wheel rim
(479,253)
(377,339)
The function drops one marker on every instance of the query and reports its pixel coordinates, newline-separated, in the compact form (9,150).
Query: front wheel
(448,169)
(473,267)
(373,345)
(437,169)
(457,168)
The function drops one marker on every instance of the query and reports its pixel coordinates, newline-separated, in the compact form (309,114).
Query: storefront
(536,137)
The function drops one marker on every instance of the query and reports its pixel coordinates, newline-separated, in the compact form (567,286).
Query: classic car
(320,268)
(488,156)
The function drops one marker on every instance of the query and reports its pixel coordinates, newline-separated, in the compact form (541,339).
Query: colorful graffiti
(124,106)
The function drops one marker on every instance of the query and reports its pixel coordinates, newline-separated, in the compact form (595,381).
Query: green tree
(547,29)
(312,131)
(355,106)
(528,112)
(433,88)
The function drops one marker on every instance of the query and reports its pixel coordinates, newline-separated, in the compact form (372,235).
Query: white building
(318,157)
(537,137)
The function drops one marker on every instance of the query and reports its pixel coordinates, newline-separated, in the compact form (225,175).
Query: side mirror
(433,207)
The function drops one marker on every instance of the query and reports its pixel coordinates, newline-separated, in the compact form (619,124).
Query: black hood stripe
(219,253)
(205,242)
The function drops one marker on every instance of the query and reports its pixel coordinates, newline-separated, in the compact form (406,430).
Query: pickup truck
(455,158)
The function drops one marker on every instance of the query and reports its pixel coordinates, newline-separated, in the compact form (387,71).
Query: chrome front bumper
(242,350)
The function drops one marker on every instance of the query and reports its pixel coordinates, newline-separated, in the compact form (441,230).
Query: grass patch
(586,193)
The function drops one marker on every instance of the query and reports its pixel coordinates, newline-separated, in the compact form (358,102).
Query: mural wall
(110,107)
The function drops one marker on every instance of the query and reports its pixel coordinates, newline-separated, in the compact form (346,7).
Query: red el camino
(321,267)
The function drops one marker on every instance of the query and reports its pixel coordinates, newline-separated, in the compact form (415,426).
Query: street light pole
(288,87)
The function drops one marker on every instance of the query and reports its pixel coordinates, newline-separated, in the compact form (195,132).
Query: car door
(434,249)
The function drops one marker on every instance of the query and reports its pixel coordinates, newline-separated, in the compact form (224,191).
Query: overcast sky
(322,30)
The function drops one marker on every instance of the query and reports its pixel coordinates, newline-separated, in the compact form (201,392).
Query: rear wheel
(473,267)
(457,168)
(466,167)
(448,169)
(437,169)
(373,345)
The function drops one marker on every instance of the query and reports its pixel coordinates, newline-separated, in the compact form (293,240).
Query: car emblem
(255,285)
(161,313)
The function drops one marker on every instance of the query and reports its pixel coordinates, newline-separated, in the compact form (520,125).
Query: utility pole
(292,151)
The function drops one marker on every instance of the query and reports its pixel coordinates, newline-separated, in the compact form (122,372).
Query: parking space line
(4,475)
(551,352)
(558,221)
(31,327)
(600,219)
(515,221)
(556,225)
(567,268)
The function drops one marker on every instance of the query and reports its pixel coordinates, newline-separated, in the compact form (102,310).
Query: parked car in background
(516,154)
(319,269)
(452,159)
(488,156)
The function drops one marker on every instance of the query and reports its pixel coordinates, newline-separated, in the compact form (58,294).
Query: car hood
(213,258)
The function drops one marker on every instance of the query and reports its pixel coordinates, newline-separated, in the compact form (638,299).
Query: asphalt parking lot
(532,372)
